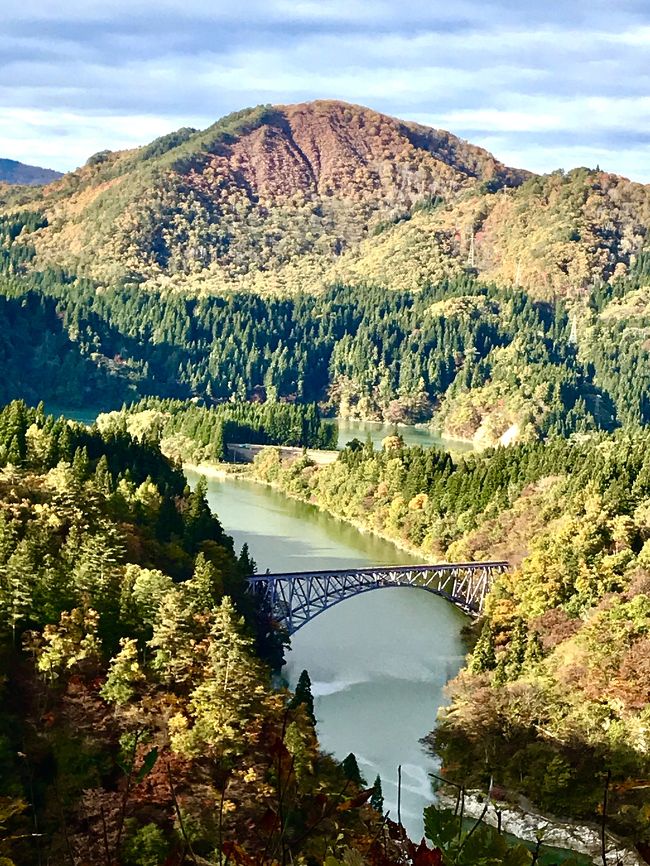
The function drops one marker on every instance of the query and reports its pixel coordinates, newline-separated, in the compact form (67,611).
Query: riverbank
(261,532)
(218,471)
(379,662)
(530,826)
(221,471)
(420,434)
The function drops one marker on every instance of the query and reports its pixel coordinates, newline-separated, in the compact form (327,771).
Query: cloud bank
(541,85)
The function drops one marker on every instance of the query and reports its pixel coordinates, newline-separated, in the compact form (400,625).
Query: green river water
(378,662)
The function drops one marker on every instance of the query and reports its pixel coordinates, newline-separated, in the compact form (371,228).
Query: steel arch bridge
(295,598)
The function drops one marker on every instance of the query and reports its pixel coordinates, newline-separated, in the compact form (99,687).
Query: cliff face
(299,196)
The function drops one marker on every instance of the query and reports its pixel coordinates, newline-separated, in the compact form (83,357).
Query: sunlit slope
(300,196)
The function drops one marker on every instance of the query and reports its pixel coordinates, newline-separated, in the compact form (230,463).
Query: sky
(543,85)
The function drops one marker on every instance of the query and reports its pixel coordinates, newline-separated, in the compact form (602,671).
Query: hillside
(14,172)
(300,196)
(113,278)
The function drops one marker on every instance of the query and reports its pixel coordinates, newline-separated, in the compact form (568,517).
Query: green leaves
(147,764)
(474,845)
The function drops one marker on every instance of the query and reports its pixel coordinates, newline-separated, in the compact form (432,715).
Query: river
(378,662)
(377,430)
(347,430)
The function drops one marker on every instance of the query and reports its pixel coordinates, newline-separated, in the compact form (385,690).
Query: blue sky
(543,85)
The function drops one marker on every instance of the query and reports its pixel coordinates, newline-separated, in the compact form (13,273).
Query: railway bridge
(295,598)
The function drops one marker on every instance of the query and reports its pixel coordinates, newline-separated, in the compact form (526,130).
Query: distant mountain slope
(301,196)
(14,172)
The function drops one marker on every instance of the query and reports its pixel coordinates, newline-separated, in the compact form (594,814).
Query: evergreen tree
(377,798)
(517,648)
(205,588)
(124,674)
(303,697)
(483,656)
(351,770)
(223,704)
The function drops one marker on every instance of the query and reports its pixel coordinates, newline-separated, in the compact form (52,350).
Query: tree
(71,643)
(352,771)
(173,640)
(483,657)
(142,594)
(18,586)
(205,588)
(220,707)
(377,798)
(124,674)
(199,522)
(303,697)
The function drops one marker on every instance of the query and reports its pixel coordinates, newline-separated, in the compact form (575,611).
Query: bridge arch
(295,598)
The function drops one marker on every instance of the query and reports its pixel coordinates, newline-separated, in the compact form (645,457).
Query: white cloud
(83,75)
(64,140)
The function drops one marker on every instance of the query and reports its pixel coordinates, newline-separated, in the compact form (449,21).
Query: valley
(470,344)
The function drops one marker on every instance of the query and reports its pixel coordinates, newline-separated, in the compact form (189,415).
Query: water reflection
(378,431)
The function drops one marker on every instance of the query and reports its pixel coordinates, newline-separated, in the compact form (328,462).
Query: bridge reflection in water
(295,598)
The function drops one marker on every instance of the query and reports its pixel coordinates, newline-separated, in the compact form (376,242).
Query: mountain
(301,196)
(15,172)
(524,309)
(272,196)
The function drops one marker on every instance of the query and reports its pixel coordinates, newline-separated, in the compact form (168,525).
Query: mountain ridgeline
(242,282)
(14,172)
(288,198)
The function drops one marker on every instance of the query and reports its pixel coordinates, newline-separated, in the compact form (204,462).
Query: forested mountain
(138,724)
(286,263)
(403,274)
(12,171)
(298,197)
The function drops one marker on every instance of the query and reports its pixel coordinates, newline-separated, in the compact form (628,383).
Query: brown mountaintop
(296,196)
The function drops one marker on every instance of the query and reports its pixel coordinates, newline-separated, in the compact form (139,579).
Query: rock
(528,825)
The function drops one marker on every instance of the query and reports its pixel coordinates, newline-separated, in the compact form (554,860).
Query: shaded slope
(14,172)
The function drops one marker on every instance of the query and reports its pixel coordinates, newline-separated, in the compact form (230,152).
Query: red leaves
(421,855)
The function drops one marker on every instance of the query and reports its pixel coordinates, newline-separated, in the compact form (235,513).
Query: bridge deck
(373,569)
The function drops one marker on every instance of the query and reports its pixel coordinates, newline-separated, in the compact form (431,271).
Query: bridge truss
(296,598)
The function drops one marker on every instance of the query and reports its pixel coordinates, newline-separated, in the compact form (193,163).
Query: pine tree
(303,697)
(483,657)
(247,564)
(199,522)
(534,649)
(124,674)
(377,798)
(103,480)
(222,705)
(19,588)
(517,649)
(205,588)
(500,676)
(80,464)
(351,770)
(173,640)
